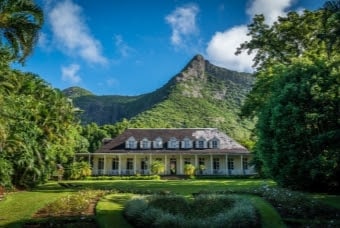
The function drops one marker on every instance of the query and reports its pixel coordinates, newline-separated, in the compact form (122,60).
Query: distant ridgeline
(201,95)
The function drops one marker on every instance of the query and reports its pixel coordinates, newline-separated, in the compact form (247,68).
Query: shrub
(157,167)
(203,211)
(189,170)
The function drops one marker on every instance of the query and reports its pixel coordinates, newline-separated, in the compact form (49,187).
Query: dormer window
(214,143)
(173,143)
(201,143)
(131,143)
(158,143)
(186,143)
(145,144)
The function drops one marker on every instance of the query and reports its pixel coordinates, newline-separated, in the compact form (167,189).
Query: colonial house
(134,150)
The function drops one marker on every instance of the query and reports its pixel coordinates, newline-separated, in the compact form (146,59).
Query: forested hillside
(201,95)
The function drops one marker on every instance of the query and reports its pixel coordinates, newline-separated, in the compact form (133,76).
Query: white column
(104,171)
(241,165)
(196,161)
(165,164)
(119,164)
(150,162)
(134,164)
(226,165)
(180,165)
(211,164)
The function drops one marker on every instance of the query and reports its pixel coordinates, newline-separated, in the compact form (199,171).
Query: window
(144,164)
(230,163)
(186,143)
(173,143)
(115,164)
(158,143)
(201,143)
(214,143)
(131,143)
(216,163)
(129,163)
(201,161)
(145,144)
(187,161)
(245,163)
(101,163)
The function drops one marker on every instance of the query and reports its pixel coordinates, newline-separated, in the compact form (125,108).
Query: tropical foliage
(20,22)
(38,127)
(296,98)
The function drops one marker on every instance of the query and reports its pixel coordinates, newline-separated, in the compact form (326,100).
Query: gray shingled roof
(227,144)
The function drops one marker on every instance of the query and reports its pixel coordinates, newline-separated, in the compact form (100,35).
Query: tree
(299,127)
(296,99)
(38,128)
(20,22)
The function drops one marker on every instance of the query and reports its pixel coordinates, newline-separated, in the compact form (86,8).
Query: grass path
(269,216)
(109,211)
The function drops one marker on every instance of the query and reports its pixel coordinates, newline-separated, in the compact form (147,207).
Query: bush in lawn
(189,170)
(157,167)
(173,204)
(80,170)
(204,211)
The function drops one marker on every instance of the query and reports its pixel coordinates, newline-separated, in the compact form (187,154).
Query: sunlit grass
(109,210)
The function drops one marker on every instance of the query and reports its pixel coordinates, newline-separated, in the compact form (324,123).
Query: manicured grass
(269,216)
(332,200)
(109,210)
(18,207)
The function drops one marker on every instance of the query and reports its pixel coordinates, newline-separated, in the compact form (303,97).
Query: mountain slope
(201,95)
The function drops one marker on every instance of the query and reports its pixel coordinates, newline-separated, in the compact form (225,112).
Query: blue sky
(131,47)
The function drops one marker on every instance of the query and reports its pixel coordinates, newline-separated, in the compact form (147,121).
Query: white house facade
(134,150)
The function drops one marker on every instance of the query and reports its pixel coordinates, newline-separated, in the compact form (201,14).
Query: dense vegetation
(38,126)
(296,98)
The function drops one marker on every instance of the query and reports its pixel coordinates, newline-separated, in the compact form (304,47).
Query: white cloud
(222,46)
(70,73)
(183,23)
(270,9)
(122,47)
(72,34)
(221,49)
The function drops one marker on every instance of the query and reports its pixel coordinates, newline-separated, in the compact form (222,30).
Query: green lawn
(19,207)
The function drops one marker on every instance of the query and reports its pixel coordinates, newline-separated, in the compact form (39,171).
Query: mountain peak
(193,70)
(76,91)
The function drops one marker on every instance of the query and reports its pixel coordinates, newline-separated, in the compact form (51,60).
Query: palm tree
(20,22)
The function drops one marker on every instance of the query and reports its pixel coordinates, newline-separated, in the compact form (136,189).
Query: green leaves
(37,127)
(296,98)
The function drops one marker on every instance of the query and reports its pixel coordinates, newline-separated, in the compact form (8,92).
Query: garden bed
(73,210)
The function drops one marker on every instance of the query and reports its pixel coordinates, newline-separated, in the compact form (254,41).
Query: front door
(173,168)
